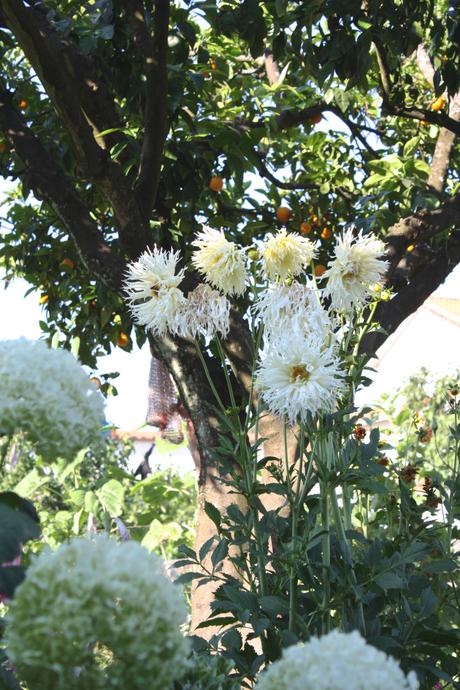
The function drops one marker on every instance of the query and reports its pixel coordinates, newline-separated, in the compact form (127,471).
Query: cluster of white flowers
(156,302)
(45,394)
(97,614)
(300,372)
(337,661)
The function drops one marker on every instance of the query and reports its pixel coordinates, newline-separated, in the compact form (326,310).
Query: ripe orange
(319,270)
(438,104)
(2,147)
(216,183)
(213,65)
(305,228)
(68,263)
(283,214)
(122,340)
(43,299)
(424,123)
(326,234)
(314,119)
(23,103)
(314,219)
(410,248)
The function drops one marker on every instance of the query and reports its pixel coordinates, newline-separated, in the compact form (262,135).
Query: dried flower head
(105,617)
(409,473)
(206,312)
(152,292)
(221,262)
(45,394)
(359,432)
(356,267)
(286,254)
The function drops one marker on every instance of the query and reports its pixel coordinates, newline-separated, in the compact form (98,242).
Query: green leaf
(212,512)
(219,553)
(112,496)
(185,578)
(440,566)
(389,580)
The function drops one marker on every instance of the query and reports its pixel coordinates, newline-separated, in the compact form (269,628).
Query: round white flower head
(45,394)
(221,262)
(356,267)
(152,292)
(295,308)
(206,312)
(337,661)
(286,254)
(299,376)
(97,614)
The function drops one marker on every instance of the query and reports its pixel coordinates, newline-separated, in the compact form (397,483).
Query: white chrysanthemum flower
(337,661)
(299,376)
(206,312)
(292,308)
(45,394)
(221,262)
(286,254)
(97,614)
(152,290)
(356,267)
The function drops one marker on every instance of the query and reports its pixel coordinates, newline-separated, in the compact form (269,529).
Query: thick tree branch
(69,79)
(433,272)
(154,51)
(420,227)
(49,182)
(271,67)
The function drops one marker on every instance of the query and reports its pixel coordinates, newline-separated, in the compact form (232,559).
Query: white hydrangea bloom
(45,394)
(221,262)
(293,308)
(357,266)
(206,312)
(337,661)
(152,292)
(286,254)
(97,614)
(299,376)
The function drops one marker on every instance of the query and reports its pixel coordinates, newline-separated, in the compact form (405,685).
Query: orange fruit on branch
(43,299)
(326,234)
(216,183)
(438,104)
(305,228)
(319,270)
(23,104)
(283,214)
(68,263)
(122,340)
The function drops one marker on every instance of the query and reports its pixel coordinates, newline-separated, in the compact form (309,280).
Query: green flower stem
(326,567)
(209,379)
(296,507)
(450,513)
(346,545)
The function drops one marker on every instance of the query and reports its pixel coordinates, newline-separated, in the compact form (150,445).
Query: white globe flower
(299,376)
(294,308)
(286,254)
(45,394)
(152,292)
(337,661)
(206,312)
(357,266)
(97,615)
(221,262)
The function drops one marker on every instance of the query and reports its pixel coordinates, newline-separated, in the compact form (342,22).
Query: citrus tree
(125,125)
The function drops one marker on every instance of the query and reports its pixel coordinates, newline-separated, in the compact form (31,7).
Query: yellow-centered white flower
(357,266)
(152,292)
(299,376)
(220,261)
(206,312)
(286,254)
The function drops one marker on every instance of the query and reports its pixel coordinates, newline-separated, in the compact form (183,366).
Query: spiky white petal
(286,254)
(206,312)
(336,661)
(299,376)
(221,262)
(356,267)
(294,307)
(152,293)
